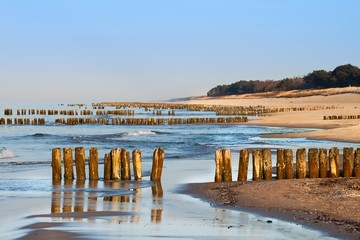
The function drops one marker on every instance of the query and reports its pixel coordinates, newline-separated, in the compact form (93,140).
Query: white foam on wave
(139,133)
(6,154)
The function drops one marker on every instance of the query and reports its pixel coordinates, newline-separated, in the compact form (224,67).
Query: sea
(148,211)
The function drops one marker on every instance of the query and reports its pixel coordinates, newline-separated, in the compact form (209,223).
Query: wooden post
(125,165)
(313,158)
(80,163)
(115,163)
(323,163)
(334,162)
(243,165)
(68,164)
(227,165)
(289,164)
(257,164)
(219,166)
(280,164)
(158,160)
(301,163)
(348,160)
(56,164)
(107,167)
(357,163)
(136,157)
(93,164)
(267,164)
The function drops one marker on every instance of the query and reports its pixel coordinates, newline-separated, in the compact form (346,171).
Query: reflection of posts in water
(67,200)
(136,205)
(220,215)
(56,197)
(79,196)
(115,199)
(157,193)
(107,199)
(124,203)
(156,215)
(92,200)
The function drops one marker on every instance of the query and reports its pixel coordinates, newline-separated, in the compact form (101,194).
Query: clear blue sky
(74,50)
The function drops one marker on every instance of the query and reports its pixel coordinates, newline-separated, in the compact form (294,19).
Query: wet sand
(66,211)
(330,205)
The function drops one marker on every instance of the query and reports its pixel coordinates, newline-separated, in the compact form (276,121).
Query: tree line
(341,76)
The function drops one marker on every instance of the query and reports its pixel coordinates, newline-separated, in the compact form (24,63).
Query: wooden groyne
(22,121)
(149,121)
(341,117)
(314,163)
(116,164)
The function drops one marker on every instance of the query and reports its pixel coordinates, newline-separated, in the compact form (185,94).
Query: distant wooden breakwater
(341,117)
(116,164)
(22,121)
(150,121)
(157,109)
(321,163)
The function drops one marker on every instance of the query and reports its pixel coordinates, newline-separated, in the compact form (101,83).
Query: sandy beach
(330,205)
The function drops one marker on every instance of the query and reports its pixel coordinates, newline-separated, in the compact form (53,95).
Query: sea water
(25,174)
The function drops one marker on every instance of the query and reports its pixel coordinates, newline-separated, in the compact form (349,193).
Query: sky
(146,50)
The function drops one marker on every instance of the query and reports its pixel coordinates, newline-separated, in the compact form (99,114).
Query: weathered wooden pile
(321,163)
(149,121)
(116,164)
(22,121)
(341,117)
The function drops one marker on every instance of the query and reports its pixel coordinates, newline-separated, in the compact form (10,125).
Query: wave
(6,153)
(139,133)
(117,135)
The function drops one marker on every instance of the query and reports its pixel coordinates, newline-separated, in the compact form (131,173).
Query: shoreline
(307,202)
(328,205)
(331,130)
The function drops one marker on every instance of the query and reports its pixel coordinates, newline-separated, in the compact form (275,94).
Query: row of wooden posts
(48,112)
(116,112)
(149,121)
(220,110)
(341,117)
(157,107)
(319,161)
(116,164)
(23,121)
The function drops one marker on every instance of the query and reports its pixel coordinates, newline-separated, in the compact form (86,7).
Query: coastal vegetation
(341,76)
